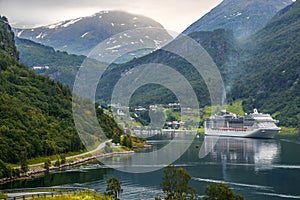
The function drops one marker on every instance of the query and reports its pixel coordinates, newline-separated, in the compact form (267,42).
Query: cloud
(174,15)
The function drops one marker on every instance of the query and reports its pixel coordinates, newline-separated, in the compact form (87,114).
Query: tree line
(175,186)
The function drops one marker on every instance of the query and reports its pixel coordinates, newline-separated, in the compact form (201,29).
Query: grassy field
(2,195)
(53,158)
(81,196)
(289,133)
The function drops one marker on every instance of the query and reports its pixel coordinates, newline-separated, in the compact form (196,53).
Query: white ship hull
(256,133)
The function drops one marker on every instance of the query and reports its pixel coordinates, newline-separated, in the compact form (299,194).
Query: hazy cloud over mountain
(174,15)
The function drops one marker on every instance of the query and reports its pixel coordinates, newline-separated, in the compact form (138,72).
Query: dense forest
(36,116)
(35,111)
(271,68)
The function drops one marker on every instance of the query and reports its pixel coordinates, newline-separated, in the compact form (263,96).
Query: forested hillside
(7,38)
(61,66)
(35,54)
(272,68)
(35,111)
(221,46)
(36,116)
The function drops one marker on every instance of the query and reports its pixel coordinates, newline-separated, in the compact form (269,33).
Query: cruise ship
(254,125)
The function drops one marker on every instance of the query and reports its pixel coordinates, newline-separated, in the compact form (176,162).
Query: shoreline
(38,171)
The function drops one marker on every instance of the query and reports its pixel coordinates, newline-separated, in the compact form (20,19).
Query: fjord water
(254,168)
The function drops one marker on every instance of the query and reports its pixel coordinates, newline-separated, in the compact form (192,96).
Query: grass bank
(2,195)
(75,196)
(288,133)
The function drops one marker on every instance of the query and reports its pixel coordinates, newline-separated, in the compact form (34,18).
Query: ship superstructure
(256,125)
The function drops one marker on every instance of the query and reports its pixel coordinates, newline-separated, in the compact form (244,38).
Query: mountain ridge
(45,60)
(79,36)
(242,17)
(273,68)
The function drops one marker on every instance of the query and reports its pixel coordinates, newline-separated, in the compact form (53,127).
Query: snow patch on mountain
(53,26)
(39,36)
(128,36)
(234,15)
(100,25)
(19,33)
(157,43)
(114,47)
(104,12)
(83,35)
(71,22)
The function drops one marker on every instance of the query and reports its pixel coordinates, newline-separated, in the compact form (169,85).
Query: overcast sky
(174,15)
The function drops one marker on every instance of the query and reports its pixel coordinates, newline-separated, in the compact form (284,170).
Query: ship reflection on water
(260,153)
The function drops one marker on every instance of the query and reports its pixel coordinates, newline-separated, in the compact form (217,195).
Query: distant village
(140,111)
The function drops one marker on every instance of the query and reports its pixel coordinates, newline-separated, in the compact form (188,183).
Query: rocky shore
(39,170)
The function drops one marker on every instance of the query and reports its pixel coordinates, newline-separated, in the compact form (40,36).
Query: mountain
(221,46)
(35,54)
(244,17)
(272,68)
(262,70)
(35,111)
(79,36)
(44,60)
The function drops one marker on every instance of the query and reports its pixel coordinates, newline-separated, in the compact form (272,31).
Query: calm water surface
(254,168)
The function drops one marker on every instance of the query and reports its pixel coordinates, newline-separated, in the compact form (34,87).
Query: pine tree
(220,191)
(113,188)
(175,184)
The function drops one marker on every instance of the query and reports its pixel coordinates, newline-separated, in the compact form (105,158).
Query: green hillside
(221,46)
(7,38)
(62,66)
(36,116)
(35,111)
(272,68)
(35,54)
